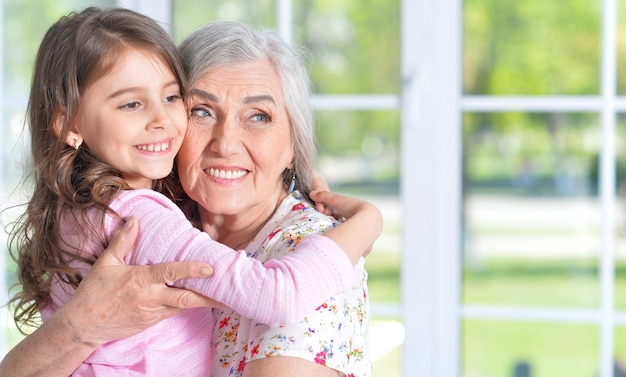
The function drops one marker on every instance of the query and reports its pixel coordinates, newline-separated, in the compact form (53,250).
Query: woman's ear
(292,164)
(73,138)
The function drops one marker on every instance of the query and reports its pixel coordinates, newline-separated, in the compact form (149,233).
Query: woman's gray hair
(222,43)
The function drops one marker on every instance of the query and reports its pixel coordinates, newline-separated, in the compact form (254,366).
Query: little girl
(107,118)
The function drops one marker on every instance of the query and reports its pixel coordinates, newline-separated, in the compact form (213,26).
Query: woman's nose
(226,138)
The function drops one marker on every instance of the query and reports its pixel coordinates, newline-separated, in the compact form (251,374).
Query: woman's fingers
(121,244)
(115,300)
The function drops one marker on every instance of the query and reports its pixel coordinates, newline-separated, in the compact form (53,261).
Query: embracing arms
(280,291)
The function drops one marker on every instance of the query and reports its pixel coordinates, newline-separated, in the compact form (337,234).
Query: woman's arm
(363,224)
(112,302)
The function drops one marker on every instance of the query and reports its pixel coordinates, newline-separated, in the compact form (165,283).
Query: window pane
(354,48)
(359,156)
(620,214)
(621,47)
(360,148)
(191,14)
(620,351)
(531,214)
(24,23)
(531,47)
(498,348)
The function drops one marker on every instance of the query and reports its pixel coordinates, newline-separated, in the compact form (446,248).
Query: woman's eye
(201,113)
(130,105)
(260,117)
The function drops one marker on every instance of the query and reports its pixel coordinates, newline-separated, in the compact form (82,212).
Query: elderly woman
(250,138)
(250,143)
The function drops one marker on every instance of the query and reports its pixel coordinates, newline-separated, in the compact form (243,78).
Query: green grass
(383,277)
(493,348)
(570,283)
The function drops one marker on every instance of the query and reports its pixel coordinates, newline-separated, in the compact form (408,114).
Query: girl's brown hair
(77,50)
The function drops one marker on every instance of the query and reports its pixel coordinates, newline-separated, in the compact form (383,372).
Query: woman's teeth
(227,174)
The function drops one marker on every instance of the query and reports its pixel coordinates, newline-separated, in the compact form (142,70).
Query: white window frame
(431,186)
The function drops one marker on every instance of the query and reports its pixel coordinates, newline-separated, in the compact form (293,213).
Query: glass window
(354,48)
(620,351)
(533,214)
(359,156)
(621,47)
(531,219)
(188,15)
(500,348)
(620,214)
(531,47)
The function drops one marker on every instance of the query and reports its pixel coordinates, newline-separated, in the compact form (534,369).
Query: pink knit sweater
(278,292)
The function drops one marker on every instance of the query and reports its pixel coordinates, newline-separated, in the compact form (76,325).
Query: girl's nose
(159,118)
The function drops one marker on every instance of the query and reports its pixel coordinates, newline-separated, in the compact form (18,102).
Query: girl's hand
(362,226)
(319,184)
(339,206)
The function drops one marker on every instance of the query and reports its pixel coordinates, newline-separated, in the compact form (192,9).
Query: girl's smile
(133,118)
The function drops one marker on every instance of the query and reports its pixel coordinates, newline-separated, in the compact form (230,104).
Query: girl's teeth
(158,147)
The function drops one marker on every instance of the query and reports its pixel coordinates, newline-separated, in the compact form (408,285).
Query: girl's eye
(130,105)
(172,98)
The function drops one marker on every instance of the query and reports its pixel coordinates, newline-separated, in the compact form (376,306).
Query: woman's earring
(292,185)
(77,144)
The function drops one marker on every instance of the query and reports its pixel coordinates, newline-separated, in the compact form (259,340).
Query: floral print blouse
(334,335)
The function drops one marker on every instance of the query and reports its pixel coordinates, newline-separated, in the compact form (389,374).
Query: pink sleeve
(281,291)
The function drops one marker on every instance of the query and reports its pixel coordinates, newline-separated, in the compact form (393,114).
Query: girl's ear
(73,138)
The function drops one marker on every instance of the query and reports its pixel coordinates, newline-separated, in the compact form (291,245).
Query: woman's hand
(116,300)
(113,301)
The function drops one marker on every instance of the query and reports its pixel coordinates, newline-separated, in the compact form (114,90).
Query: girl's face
(133,118)
(238,142)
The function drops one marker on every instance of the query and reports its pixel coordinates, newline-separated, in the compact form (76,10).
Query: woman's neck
(237,230)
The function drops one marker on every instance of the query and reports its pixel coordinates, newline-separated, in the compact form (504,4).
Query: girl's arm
(113,301)
(277,292)
(363,224)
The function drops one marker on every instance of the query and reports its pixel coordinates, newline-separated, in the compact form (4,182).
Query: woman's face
(238,141)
